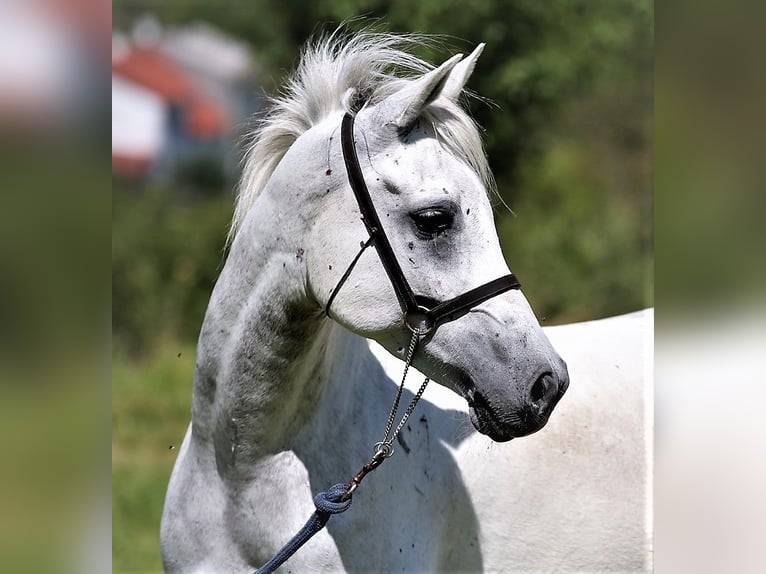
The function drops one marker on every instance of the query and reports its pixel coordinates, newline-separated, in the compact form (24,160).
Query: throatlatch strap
(343,279)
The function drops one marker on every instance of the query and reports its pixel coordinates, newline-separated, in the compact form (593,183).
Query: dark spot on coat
(400,440)
(328,172)
(467,211)
(329,267)
(411,245)
(299,254)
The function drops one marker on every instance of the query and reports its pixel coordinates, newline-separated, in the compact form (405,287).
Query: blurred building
(179,97)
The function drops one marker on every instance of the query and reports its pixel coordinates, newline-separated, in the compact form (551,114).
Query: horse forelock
(338,72)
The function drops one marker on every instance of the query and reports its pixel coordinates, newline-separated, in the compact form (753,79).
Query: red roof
(204,118)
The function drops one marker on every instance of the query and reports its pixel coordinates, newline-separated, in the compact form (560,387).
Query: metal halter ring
(383,449)
(419,322)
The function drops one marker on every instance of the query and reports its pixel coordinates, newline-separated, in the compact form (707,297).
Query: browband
(417,315)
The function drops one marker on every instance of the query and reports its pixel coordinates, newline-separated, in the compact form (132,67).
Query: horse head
(424,166)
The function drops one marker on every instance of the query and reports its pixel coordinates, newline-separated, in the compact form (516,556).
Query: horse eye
(433,221)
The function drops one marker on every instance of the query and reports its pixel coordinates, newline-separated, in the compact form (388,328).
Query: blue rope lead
(327,504)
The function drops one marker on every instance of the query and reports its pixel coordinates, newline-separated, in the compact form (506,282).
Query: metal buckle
(419,322)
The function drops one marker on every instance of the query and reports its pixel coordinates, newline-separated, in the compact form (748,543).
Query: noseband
(418,316)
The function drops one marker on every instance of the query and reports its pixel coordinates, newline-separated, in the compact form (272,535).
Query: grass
(151,401)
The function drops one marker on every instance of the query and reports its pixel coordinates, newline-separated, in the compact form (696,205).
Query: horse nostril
(541,387)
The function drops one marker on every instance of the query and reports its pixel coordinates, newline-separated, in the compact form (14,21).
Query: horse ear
(402,108)
(458,78)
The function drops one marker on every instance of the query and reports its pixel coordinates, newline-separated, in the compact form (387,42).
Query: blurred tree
(166,256)
(539,54)
(201,175)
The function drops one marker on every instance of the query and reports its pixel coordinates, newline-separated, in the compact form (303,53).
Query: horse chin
(486,422)
(487,427)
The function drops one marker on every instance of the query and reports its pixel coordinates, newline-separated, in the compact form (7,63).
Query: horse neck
(272,372)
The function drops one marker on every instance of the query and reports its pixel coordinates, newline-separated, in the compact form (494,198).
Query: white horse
(288,402)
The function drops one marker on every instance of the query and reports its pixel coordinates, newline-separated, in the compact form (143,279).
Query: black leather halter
(418,316)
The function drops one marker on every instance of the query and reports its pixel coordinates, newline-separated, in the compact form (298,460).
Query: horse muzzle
(503,419)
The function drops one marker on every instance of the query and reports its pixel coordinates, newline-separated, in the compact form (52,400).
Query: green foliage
(582,250)
(201,175)
(150,413)
(166,255)
(539,54)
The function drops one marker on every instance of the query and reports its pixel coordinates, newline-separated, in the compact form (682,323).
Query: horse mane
(339,72)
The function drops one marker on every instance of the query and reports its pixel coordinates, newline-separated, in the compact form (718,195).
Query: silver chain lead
(407,362)
(385,447)
(411,407)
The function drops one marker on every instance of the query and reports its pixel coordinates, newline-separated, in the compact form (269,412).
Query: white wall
(138,120)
